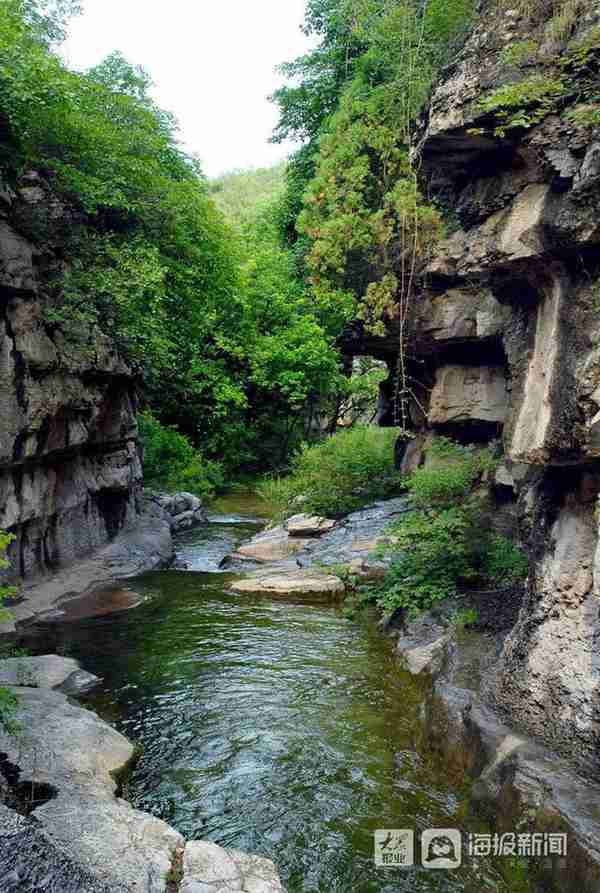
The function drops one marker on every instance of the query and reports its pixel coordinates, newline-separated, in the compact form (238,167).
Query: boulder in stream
(47,671)
(79,836)
(309,525)
(207,868)
(270,545)
(289,581)
(65,759)
(185,510)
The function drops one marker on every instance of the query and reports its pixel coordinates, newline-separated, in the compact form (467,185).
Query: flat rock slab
(46,671)
(289,582)
(97,603)
(74,752)
(308,525)
(355,536)
(271,545)
(207,868)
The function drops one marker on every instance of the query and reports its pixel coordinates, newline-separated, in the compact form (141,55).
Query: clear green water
(277,727)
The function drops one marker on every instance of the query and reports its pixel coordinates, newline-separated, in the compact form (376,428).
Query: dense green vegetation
(337,476)
(8,702)
(238,194)
(233,348)
(446,541)
(172,463)
(232,318)
(353,210)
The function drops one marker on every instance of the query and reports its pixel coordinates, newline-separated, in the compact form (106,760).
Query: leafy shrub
(524,104)
(445,541)
(338,475)
(172,463)
(519,53)
(465,617)
(432,555)
(449,474)
(503,562)
(8,701)
(5,591)
(586,116)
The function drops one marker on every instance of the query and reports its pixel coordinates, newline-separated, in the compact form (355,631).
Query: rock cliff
(505,333)
(70,473)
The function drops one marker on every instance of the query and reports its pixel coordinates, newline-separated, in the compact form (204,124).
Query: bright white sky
(212,62)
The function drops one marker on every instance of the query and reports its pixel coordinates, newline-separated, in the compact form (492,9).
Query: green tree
(366,229)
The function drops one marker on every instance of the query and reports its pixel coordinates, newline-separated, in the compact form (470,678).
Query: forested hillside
(238,193)
(229,296)
(230,346)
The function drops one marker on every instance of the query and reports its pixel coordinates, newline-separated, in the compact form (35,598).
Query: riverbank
(213,684)
(521,787)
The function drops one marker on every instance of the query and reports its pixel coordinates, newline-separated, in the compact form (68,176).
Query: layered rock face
(506,339)
(70,473)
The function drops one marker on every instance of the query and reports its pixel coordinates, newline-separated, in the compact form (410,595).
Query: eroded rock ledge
(517,784)
(146,544)
(70,471)
(80,836)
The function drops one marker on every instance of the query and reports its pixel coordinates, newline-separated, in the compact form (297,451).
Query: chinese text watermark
(445,848)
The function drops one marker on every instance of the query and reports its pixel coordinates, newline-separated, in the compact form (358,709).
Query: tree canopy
(228,296)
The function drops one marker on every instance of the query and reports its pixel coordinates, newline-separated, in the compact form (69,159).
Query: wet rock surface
(518,784)
(289,581)
(208,868)
(184,509)
(46,671)
(30,861)
(308,525)
(300,564)
(427,647)
(267,546)
(146,545)
(79,835)
(71,753)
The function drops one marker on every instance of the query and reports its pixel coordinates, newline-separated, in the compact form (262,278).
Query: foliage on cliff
(445,541)
(8,701)
(353,207)
(225,335)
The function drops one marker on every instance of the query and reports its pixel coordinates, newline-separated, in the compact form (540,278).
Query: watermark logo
(511,844)
(394,848)
(441,848)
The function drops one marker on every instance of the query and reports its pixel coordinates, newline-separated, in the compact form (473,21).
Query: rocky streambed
(265,722)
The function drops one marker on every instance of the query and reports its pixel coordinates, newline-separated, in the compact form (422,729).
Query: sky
(212,61)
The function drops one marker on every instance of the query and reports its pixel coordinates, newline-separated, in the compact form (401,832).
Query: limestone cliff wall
(505,340)
(70,474)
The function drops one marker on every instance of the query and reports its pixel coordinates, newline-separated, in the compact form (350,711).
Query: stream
(274,726)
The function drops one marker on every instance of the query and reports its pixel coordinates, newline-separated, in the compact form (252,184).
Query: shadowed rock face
(70,473)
